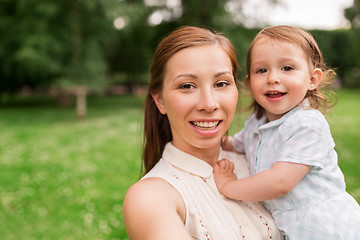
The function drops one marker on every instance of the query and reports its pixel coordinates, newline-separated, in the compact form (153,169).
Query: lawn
(61,178)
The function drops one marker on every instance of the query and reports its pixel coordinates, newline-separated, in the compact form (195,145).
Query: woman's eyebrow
(222,73)
(194,76)
(186,75)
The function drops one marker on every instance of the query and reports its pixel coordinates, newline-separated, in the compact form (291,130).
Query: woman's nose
(208,100)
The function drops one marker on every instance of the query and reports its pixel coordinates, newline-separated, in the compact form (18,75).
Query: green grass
(344,122)
(61,178)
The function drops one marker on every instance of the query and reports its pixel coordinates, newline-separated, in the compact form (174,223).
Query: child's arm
(226,143)
(269,184)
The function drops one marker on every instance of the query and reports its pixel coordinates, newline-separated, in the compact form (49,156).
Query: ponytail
(157,133)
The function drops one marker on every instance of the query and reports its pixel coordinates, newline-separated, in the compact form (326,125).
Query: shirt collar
(300,107)
(187,162)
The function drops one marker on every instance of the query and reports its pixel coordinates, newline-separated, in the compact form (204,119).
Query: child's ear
(159,102)
(315,78)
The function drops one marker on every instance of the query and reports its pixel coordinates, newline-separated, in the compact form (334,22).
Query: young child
(288,143)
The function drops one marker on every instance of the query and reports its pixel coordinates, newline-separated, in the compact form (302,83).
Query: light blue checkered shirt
(318,207)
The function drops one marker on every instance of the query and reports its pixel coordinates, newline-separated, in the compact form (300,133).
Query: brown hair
(318,98)
(157,132)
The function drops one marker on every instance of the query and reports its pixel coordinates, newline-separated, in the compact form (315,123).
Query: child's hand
(226,143)
(223,173)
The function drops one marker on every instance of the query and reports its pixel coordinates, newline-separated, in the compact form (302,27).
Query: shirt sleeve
(238,141)
(305,140)
(240,137)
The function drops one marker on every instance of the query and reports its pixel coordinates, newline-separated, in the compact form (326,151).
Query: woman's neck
(209,155)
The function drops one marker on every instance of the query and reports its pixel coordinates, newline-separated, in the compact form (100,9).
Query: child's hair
(319,98)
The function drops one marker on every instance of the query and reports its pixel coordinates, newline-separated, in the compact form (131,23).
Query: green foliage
(203,12)
(28,54)
(74,42)
(340,49)
(353,15)
(45,42)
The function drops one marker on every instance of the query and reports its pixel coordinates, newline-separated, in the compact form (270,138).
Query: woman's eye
(186,86)
(221,84)
(261,70)
(287,68)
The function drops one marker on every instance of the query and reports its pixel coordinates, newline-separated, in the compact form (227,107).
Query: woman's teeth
(206,125)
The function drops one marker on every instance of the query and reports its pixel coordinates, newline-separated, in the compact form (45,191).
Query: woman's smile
(205,125)
(206,129)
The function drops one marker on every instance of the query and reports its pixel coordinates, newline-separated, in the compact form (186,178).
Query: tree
(29,54)
(53,43)
(128,57)
(84,26)
(353,15)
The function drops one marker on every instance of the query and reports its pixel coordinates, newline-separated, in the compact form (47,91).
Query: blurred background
(73,74)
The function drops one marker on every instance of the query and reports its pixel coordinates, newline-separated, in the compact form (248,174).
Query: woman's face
(199,96)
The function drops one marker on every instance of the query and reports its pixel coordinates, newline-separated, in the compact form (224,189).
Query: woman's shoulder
(155,181)
(152,189)
(142,192)
(150,205)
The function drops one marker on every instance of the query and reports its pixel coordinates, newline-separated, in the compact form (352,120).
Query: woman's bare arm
(154,210)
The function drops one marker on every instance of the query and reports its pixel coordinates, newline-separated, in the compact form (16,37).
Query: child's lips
(275,96)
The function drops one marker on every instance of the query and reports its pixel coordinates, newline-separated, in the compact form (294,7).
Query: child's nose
(273,78)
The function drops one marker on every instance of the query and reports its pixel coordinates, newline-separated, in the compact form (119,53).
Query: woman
(190,105)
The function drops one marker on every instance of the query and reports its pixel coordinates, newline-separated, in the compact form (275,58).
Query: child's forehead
(277,42)
(284,47)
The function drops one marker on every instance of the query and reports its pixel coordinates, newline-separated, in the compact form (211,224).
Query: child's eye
(221,84)
(186,86)
(287,68)
(261,70)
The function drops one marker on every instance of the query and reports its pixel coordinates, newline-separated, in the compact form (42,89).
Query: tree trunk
(81,106)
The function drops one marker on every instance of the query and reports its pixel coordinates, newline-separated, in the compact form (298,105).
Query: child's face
(280,76)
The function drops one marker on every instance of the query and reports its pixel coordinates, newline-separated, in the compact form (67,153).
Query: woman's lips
(205,125)
(206,128)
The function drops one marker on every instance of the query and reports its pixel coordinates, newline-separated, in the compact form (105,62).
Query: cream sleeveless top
(210,215)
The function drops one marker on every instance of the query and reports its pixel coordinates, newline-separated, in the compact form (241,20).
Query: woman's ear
(315,78)
(159,102)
